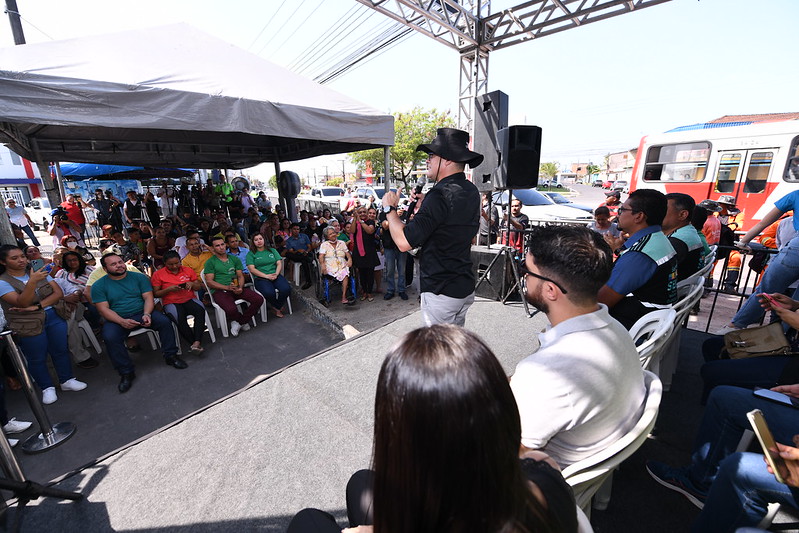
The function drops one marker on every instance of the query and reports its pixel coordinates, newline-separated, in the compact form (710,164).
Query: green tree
(273,182)
(335,181)
(411,129)
(548,170)
(593,170)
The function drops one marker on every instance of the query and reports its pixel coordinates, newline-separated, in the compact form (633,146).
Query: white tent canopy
(172,96)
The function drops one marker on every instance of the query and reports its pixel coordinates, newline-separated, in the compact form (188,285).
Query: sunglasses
(525,272)
(630,209)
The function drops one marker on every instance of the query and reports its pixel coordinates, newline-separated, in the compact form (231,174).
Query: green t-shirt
(224,272)
(265,260)
(124,296)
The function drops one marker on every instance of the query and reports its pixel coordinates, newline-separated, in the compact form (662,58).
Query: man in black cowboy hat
(444,227)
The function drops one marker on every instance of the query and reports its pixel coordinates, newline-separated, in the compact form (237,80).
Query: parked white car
(365,192)
(540,208)
(39,211)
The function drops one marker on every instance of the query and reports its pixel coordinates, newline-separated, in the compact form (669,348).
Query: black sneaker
(91,362)
(403,295)
(677,480)
(388,295)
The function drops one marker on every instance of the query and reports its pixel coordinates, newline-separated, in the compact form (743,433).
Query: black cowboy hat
(453,145)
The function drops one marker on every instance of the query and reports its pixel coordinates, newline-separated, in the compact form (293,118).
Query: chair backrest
(207,290)
(690,295)
(700,274)
(651,332)
(586,476)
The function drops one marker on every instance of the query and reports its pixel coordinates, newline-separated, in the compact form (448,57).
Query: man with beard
(583,389)
(125,300)
(647,263)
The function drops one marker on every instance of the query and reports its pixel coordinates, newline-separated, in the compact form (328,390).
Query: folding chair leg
(602,496)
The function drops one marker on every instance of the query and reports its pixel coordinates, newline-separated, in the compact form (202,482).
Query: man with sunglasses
(644,277)
(444,228)
(583,389)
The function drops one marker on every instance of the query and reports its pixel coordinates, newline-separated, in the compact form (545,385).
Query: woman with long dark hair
(27,299)
(266,266)
(76,271)
(446,449)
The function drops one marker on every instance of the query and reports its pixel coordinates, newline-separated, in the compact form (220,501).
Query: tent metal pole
(60,179)
(387,166)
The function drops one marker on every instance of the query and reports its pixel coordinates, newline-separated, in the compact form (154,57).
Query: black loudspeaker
(520,148)
(490,115)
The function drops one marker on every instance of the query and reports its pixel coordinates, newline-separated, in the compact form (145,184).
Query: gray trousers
(440,309)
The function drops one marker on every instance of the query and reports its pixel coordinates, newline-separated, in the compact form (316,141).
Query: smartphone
(37,264)
(768,444)
(772,301)
(776,397)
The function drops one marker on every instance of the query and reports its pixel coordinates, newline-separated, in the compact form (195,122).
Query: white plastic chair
(154,338)
(594,474)
(221,317)
(650,334)
(700,274)
(264,307)
(689,295)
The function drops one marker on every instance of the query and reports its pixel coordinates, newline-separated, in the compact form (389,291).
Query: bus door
(745,175)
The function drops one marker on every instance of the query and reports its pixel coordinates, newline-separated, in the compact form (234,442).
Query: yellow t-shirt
(197,262)
(99,272)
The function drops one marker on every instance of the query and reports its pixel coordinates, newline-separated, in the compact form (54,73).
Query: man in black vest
(444,228)
(647,263)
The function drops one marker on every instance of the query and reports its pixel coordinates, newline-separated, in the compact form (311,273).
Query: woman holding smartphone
(176,284)
(27,298)
(446,449)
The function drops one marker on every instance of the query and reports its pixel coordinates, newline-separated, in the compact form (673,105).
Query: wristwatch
(39,306)
(388,208)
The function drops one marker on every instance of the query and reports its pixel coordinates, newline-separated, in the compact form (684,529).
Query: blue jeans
(267,289)
(712,466)
(52,340)
(782,270)
(395,262)
(741,494)
(29,232)
(114,336)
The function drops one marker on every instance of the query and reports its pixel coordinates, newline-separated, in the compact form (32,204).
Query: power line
(281,29)
(268,22)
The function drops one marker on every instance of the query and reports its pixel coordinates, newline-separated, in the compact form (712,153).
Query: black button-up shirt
(444,228)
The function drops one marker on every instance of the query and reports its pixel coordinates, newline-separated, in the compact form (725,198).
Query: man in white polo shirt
(584,388)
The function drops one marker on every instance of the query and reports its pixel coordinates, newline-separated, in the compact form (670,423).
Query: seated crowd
(563,404)
(162,264)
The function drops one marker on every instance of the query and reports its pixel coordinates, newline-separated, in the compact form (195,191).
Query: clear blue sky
(593,90)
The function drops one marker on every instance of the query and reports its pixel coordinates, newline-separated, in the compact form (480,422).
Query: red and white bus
(757,163)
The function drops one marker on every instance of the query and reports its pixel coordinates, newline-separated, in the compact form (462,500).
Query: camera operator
(62,226)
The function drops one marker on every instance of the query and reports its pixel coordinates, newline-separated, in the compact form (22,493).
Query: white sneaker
(16,426)
(13,442)
(73,385)
(235,327)
(49,396)
(725,329)
(245,327)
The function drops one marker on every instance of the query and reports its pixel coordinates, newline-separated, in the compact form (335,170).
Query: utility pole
(6,235)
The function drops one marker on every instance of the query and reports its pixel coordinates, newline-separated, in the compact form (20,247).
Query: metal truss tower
(470,28)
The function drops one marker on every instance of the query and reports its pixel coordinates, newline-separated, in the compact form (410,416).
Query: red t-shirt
(164,279)
(74,212)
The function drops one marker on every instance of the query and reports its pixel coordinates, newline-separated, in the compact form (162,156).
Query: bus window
(727,175)
(677,162)
(792,171)
(757,174)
